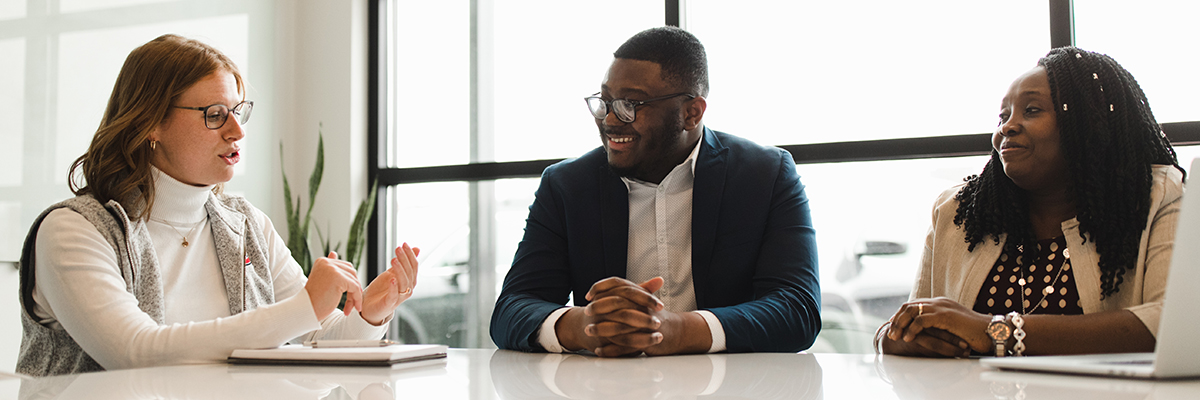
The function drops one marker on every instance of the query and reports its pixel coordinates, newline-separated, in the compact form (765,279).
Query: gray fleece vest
(241,253)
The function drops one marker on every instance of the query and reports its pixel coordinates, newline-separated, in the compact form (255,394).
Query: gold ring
(920,309)
(405,291)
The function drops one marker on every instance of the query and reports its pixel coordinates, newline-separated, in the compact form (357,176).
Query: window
(886,105)
(1156,42)
(502,89)
(434,218)
(430,94)
(813,72)
(542,71)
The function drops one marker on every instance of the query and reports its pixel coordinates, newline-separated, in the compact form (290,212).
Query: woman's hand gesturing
(329,278)
(392,287)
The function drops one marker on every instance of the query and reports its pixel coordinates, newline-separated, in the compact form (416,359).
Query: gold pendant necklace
(1049,288)
(185,242)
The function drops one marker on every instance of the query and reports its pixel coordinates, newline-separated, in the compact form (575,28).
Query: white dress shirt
(660,244)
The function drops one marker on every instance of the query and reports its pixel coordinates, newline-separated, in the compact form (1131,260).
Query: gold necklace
(190,231)
(1048,289)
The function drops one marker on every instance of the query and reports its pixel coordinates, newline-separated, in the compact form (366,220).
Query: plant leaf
(296,235)
(322,240)
(305,257)
(356,245)
(314,182)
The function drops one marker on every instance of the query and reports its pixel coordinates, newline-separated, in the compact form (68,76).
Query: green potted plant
(299,220)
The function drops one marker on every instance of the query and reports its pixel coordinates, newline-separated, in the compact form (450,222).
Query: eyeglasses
(216,114)
(623,108)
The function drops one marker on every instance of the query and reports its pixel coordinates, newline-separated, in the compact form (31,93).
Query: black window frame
(1061,32)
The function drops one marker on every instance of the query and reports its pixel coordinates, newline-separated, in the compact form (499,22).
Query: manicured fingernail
(657,336)
(656,321)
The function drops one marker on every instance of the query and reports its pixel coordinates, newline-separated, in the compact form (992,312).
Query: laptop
(1178,344)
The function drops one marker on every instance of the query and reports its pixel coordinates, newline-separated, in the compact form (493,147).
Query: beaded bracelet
(1018,322)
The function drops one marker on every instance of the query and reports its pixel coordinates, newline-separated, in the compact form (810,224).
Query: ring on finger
(406,291)
(920,309)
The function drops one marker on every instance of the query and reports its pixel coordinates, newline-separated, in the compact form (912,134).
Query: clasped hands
(625,318)
(331,277)
(937,327)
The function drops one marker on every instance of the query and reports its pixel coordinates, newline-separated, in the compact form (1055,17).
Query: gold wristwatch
(999,331)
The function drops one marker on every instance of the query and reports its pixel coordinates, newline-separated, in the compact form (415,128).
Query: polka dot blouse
(1046,287)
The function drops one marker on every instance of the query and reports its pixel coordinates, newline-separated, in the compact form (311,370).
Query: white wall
(324,83)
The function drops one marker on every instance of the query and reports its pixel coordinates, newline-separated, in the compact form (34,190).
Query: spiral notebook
(1178,341)
(394,356)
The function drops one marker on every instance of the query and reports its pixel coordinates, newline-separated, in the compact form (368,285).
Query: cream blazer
(948,269)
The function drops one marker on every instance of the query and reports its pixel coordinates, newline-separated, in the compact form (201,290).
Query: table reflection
(921,378)
(926,378)
(1043,385)
(557,376)
(226,382)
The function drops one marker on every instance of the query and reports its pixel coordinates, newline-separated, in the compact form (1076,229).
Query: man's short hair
(681,56)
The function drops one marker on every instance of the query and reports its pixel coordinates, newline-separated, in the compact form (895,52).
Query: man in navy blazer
(671,237)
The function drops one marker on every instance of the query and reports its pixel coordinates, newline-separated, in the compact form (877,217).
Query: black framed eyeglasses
(623,108)
(216,114)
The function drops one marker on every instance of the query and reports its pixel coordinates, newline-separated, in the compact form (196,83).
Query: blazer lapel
(707,189)
(614,221)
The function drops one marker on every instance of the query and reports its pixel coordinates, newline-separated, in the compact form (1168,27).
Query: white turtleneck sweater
(79,288)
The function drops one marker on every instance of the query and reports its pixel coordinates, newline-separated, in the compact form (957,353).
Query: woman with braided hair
(1062,244)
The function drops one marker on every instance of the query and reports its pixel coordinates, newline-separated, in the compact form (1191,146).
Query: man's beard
(657,148)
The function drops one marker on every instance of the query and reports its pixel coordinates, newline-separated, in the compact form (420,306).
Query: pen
(348,343)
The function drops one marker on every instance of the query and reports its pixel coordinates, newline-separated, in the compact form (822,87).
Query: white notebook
(395,356)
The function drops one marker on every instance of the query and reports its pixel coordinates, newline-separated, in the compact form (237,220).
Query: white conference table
(500,374)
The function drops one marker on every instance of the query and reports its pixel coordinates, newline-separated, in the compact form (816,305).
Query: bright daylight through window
(480,82)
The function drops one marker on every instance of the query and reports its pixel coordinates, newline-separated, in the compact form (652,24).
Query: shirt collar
(690,159)
(695,153)
(175,201)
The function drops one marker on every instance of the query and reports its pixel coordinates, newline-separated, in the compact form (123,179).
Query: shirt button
(662,239)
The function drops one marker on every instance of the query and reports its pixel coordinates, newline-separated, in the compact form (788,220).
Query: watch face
(999,331)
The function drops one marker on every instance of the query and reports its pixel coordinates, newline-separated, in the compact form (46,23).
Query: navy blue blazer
(754,257)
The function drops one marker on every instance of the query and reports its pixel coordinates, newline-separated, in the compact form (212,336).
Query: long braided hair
(1109,139)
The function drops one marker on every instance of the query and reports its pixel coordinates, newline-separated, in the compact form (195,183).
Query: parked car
(870,283)
(435,312)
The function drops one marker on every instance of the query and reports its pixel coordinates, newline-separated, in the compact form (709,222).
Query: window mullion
(1062,23)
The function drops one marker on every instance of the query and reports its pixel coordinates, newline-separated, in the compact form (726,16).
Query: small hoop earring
(153,144)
